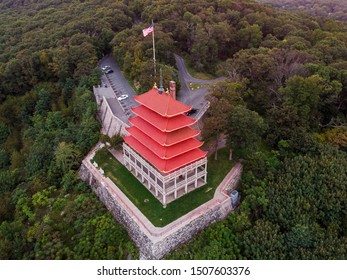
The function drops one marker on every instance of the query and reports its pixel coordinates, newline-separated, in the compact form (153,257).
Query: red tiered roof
(161,132)
(162,104)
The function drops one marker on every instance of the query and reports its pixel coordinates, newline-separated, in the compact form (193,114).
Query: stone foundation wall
(154,243)
(116,208)
(187,232)
(232,181)
(110,123)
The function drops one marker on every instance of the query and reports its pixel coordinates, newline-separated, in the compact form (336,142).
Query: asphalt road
(194,98)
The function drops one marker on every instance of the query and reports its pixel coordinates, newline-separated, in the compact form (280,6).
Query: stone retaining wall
(116,208)
(153,242)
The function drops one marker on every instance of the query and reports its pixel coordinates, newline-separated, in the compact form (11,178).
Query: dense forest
(335,9)
(48,56)
(282,109)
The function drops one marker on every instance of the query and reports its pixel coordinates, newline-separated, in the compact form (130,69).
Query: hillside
(334,9)
(282,109)
(48,53)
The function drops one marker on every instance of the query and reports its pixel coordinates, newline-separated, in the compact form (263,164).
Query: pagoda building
(161,149)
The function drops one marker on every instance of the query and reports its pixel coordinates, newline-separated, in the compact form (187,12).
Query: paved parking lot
(120,86)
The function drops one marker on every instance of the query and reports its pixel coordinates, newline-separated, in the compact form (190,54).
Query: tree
(71,182)
(224,96)
(306,96)
(336,136)
(200,51)
(39,158)
(66,156)
(6,208)
(218,242)
(301,239)
(87,134)
(245,128)
(11,240)
(4,133)
(43,104)
(84,58)
(98,241)
(264,241)
(285,126)
(4,159)
(249,37)
(287,63)
(28,108)
(310,189)
(9,180)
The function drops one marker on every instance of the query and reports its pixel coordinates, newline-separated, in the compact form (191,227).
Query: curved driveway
(182,69)
(194,98)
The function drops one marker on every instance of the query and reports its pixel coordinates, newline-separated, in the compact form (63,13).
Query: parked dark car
(191,112)
(108,71)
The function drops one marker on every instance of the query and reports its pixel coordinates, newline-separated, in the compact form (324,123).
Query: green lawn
(153,209)
(193,86)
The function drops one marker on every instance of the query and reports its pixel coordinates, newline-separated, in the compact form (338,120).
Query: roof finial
(161,88)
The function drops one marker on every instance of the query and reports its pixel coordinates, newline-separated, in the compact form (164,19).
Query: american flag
(148,30)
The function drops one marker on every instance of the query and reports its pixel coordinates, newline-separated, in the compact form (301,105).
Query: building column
(130,162)
(136,167)
(141,172)
(124,157)
(164,188)
(186,187)
(186,184)
(196,176)
(175,188)
(205,176)
(164,199)
(149,178)
(156,186)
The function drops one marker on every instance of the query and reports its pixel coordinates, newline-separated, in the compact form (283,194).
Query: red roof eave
(163,138)
(164,152)
(164,166)
(163,123)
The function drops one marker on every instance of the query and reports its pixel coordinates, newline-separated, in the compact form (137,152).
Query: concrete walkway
(118,154)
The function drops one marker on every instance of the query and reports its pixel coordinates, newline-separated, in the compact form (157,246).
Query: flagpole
(155,69)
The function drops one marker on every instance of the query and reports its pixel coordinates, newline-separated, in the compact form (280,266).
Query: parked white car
(122,97)
(106,67)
